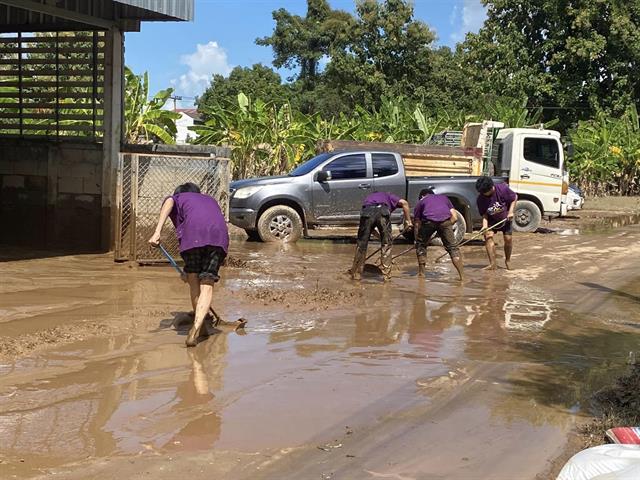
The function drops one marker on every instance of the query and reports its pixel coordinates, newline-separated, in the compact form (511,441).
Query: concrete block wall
(50,194)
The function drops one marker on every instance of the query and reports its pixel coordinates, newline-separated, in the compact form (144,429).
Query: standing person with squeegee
(204,240)
(496,203)
(435,213)
(376,213)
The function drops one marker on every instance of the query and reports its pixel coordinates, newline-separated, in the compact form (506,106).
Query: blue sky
(185,55)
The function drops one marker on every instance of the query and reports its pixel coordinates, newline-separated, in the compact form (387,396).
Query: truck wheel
(526,217)
(459,229)
(253,235)
(280,224)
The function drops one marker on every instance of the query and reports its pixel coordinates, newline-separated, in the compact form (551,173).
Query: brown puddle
(332,378)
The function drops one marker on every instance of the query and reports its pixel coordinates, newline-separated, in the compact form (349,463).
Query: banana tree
(146,120)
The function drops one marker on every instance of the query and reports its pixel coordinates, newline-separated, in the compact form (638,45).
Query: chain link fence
(146,179)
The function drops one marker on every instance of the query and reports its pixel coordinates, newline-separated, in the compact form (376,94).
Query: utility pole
(175,98)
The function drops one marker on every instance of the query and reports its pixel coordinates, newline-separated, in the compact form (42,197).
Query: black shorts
(205,261)
(506,228)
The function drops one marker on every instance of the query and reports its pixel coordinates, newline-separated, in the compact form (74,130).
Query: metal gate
(144,181)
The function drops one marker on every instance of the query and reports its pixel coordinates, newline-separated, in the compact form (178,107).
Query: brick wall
(50,194)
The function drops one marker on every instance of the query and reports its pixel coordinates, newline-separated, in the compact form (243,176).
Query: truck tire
(253,235)
(459,229)
(280,224)
(526,217)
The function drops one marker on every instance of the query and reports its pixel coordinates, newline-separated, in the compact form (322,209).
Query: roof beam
(53,11)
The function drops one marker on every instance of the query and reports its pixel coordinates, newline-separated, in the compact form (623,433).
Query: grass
(617,406)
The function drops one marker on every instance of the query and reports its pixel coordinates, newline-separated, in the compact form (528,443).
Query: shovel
(173,263)
(480,232)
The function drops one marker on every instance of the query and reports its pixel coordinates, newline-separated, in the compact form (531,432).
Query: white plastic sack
(605,462)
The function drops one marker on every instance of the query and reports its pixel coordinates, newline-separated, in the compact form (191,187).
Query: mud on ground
(409,379)
(314,298)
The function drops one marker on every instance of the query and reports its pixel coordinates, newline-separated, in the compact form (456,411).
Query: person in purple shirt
(376,213)
(435,213)
(204,240)
(496,203)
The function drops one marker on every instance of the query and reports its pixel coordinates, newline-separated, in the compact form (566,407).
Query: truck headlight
(245,192)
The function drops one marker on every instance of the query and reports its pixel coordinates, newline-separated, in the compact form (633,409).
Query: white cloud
(474,14)
(208,59)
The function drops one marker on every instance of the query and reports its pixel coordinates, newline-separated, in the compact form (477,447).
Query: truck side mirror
(323,176)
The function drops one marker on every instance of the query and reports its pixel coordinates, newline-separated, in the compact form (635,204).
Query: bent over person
(496,204)
(204,240)
(435,213)
(376,213)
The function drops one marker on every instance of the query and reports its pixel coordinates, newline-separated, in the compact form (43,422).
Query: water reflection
(163,399)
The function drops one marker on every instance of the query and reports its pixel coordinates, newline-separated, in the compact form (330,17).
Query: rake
(480,232)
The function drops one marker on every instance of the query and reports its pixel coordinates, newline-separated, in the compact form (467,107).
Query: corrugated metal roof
(179,9)
(45,15)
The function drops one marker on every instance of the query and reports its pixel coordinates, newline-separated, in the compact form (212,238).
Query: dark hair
(484,184)
(187,188)
(426,191)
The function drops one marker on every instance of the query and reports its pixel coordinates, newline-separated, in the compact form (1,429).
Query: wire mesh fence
(144,181)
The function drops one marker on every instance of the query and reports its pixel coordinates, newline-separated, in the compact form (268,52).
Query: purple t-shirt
(382,198)
(433,207)
(199,221)
(497,205)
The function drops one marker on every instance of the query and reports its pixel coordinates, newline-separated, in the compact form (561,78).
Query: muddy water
(412,379)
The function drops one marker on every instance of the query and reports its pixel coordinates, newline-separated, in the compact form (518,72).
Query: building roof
(191,112)
(43,15)
(173,9)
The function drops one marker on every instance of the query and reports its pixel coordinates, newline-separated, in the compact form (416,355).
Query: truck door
(388,177)
(339,199)
(538,171)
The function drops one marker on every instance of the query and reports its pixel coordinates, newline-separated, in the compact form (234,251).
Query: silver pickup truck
(329,190)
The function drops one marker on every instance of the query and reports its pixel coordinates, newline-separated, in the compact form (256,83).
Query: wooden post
(113,134)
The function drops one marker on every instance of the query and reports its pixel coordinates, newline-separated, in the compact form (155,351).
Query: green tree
(389,53)
(259,82)
(577,57)
(301,42)
(146,120)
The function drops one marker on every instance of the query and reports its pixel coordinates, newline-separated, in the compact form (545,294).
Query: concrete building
(188,118)
(61,110)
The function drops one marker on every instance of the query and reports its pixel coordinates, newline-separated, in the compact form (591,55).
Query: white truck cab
(533,160)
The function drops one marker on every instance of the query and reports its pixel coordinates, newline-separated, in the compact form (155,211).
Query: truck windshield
(309,165)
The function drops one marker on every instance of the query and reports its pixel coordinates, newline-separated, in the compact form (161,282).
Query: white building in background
(188,118)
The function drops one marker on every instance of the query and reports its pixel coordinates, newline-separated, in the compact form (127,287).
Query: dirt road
(409,380)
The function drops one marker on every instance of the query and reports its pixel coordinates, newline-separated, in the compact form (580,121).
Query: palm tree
(146,120)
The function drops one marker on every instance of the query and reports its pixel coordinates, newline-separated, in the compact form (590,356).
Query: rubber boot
(358,264)
(386,262)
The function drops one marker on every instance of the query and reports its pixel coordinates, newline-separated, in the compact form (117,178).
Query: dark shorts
(205,261)
(506,227)
(445,232)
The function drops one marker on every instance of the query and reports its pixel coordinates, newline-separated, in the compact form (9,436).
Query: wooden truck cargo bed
(419,160)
